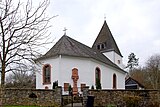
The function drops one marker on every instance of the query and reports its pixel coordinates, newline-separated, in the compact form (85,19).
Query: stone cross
(75,78)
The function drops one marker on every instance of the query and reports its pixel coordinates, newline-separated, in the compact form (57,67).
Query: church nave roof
(70,47)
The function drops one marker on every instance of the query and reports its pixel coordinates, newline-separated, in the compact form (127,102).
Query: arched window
(98,74)
(98,78)
(114,81)
(47,74)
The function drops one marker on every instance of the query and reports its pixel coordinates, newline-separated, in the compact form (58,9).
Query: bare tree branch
(23,30)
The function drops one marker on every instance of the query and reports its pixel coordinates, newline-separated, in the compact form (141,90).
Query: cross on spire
(65,30)
(104,17)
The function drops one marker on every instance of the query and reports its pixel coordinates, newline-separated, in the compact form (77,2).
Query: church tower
(106,44)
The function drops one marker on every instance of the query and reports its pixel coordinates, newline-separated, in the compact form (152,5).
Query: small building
(131,83)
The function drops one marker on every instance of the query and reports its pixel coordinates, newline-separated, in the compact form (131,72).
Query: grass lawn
(21,106)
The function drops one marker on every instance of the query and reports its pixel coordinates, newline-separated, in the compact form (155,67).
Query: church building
(73,63)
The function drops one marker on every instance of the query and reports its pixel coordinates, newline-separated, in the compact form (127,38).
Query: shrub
(92,87)
(98,84)
(55,84)
(131,100)
(111,105)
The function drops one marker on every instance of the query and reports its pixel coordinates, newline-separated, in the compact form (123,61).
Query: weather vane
(65,30)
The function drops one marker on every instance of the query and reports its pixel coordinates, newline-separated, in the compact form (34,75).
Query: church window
(119,61)
(66,86)
(47,74)
(114,81)
(97,74)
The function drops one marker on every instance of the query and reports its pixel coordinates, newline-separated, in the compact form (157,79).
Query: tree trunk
(2,84)
(3,75)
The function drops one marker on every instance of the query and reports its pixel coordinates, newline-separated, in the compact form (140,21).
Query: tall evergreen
(132,61)
(98,84)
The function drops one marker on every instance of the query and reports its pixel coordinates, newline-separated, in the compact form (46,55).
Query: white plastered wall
(114,57)
(61,70)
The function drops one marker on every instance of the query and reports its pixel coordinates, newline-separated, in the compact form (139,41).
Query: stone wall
(40,97)
(102,98)
(128,98)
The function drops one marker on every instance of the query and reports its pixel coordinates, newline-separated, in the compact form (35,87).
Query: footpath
(74,105)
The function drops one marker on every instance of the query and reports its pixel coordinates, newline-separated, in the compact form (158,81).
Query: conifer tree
(98,84)
(132,61)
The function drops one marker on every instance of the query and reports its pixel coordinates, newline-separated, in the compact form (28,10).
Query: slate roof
(131,81)
(70,47)
(105,36)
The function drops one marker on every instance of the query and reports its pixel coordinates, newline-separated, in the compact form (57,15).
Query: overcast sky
(135,24)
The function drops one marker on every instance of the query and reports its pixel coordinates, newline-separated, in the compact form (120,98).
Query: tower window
(119,61)
(102,46)
(98,47)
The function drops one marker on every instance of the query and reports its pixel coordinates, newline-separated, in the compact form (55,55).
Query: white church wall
(110,55)
(118,60)
(121,80)
(115,58)
(107,75)
(54,62)
(86,71)
(83,66)
(67,64)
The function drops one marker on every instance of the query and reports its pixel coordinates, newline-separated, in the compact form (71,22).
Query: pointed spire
(105,41)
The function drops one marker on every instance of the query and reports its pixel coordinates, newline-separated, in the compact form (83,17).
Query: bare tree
(23,29)
(20,79)
(149,75)
(153,71)
(139,74)
(24,77)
